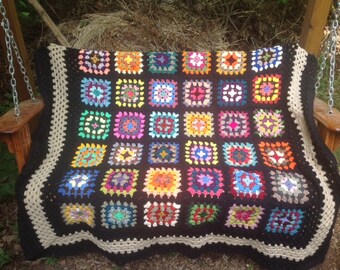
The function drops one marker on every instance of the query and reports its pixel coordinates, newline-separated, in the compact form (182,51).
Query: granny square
(118,215)
(95,92)
(139,153)
(164,125)
(197,93)
(162,62)
(163,93)
(232,93)
(129,93)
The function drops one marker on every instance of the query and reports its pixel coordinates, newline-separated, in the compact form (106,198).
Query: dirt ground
(93,261)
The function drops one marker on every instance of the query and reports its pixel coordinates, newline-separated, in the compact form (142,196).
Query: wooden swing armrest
(328,124)
(15,131)
(9,123)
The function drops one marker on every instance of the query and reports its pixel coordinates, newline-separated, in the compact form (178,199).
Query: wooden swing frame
(16,131)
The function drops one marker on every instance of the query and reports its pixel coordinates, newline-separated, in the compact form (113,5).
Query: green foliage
(8,173)
(51,261)
(5,257)
(250,267)
(6,103)
(27,15)
(15,228)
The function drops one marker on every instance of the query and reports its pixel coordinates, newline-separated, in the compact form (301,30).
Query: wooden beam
(314,24)
(12,16)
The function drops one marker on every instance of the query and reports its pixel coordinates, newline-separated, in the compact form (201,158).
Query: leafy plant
(51,261)
(8,173)
(5,257)
(6,103)
(250,267)
(27,15)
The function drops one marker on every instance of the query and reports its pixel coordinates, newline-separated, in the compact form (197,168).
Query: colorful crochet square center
(190,151)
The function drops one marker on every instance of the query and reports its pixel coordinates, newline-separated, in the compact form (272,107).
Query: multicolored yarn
(129,93)
(231,62)
(203,213)
(232,93)
(162,62)
(286,221)
(126,154)
(247,184)
(247,217)
(163,153)
(129,62)
(162,182)
(203,153)
(205,181)
(94,125)
(196,62)
(118,215)
(267,88)
(78,213)
(96,92)
(161,214)
(164,125)
(120,181)
(78,183)
(93,61)
(163,93)
(197,93)
(233,124)
(269,123)
(239,154)
(89,155)
(129,125)
(198,124)
(190,152)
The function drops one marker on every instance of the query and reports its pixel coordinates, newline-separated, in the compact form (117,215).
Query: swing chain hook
(11,44)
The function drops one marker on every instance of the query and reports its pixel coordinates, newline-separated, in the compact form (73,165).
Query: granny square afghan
(139,153)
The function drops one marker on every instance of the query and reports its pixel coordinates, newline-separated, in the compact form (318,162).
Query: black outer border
(33,249)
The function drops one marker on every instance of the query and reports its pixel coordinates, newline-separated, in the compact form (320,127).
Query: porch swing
(191,152)
(14,125)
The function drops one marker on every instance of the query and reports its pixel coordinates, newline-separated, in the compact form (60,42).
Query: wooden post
(15,27)
(311,38)
(314,24)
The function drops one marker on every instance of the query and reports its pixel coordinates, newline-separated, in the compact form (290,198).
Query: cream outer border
(48,238)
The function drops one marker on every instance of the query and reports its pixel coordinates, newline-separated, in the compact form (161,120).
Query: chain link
(11,44)
(334,35)
(329,54)
(322,67)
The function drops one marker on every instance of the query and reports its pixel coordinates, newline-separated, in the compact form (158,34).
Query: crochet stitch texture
(138,153)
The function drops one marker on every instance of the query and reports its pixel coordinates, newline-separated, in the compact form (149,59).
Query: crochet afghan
(138,153)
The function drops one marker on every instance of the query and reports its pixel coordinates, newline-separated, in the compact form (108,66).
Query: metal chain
(322,67)
(334,35)
(10,43)
(329,54)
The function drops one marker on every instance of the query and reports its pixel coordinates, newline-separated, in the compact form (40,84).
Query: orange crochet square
(129,62)
(277,155)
